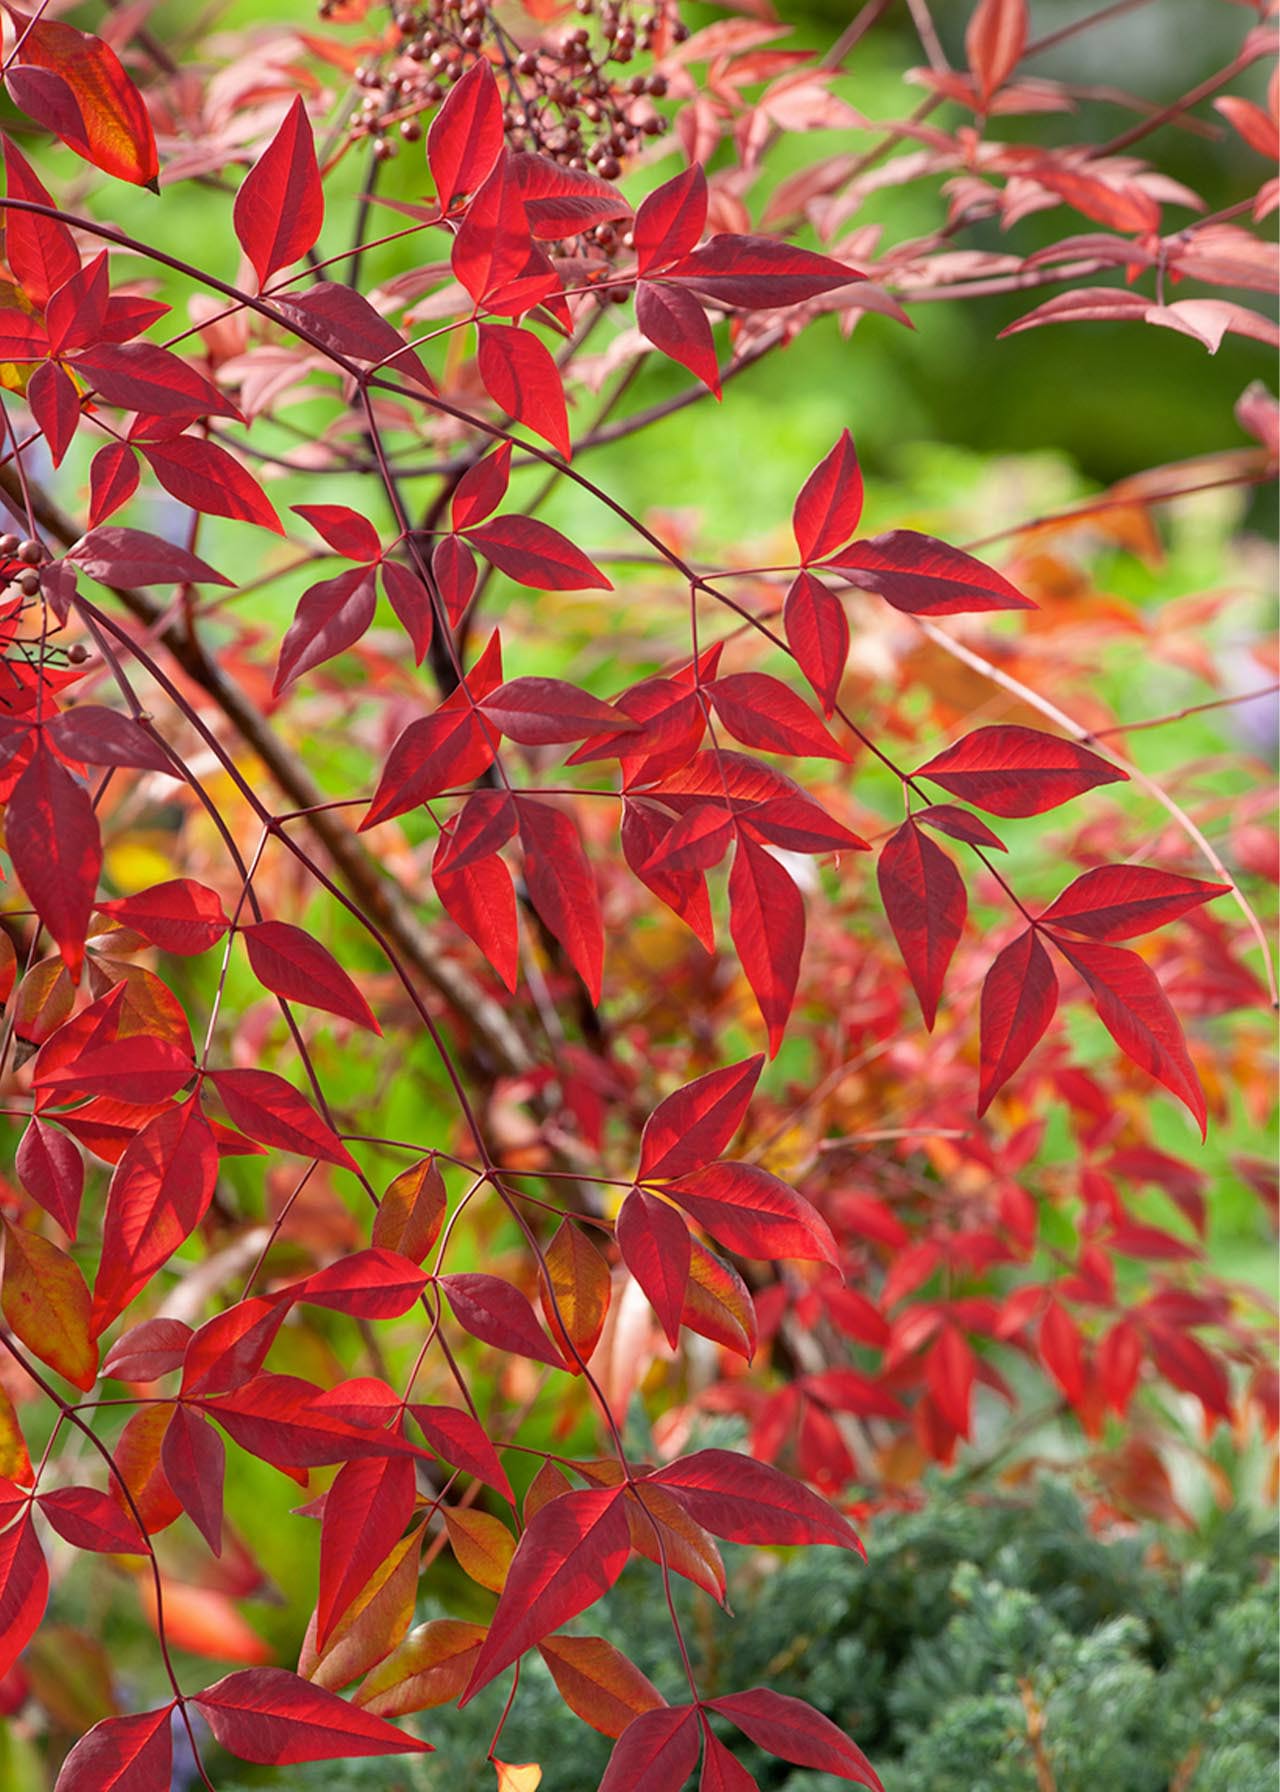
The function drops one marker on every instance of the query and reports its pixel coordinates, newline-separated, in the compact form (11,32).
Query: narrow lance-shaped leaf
(292,963)
(1019,996)
(280,205)
(274,1717)
(695,1124)
(924,899)
(1116,902)
(1011,770)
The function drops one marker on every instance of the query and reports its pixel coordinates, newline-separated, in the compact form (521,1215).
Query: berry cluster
(566,98)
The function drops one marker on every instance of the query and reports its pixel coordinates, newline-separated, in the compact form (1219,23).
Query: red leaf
(753,1213)
(113,479)
(950,1370)
(826,512)
(93,735)
(817,632)
(925,577)
(491,248)
(272,1112)
(102,117)
(139,376)
(332,616)
(463,1441)
(1115,902)
(758,273)
(118,556)
(51,1170)
(481,489)
(466,135)
(273,1716)
(24,1589)
(1010,770)
(532,553)
(193,1458)
(656,1248)
(343,529)
(794,1731)
(924,899)
(572,1552)
(1062,1351)
(763,712)
(122,1754)
(138,1069)
(540,712)
(655,1753)
(280,205)
(994,40)
(670,220)
(674,322)
(481,898)
(206,477)
(959,824)
(766,921)
(366,1509)
(498,1314)
(1185,1362)
(41,252)
(453,567)
(797,824)
(717,1304)
(91,1520)
(230,1348)
(148,1351)
(346,324)
(695,1124)
(183,916)
(698,840)
(292,963)
(562,887)
(1137,1014)
(51,834)
(721,1771)
(160,1192)
(55,405)
(485,822)
(447,748)
(644,827)
(374,1283)
(745,1501)
(522,379)
(559,201)
(411,601)
(280,1419)
(1019,996)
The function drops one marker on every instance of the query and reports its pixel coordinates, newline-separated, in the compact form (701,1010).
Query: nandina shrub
(310,923)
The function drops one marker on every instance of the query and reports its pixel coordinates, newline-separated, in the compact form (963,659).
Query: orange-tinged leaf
(374,1623)
(575,1290)
(431,1667)
(525,1777)
(47,1302)
(98,112)
(483,1545)
(412,1211)
(598,1683)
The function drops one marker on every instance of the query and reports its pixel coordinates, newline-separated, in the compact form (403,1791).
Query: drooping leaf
(332,616)
(522,379)
(73,83)
(655,1246)
(817,631)
(674,322)
(562,887)
(1019,997)
(193,1458)
(51,833)
(292,963)
(655,1753)
(47,1304)
(575,1291)
(924,899)
(412,1211)
(431,1667)
(482,1544)
(462,1440)
(766,920)
(24,1589)
(203,475)
(794,1731)
(51,1170)
(598,1683)
(497,1313)
(366,1509)
(273,1112)
(1139,1017)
